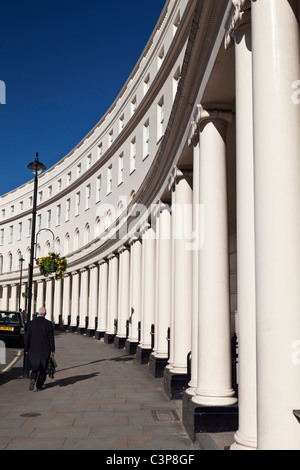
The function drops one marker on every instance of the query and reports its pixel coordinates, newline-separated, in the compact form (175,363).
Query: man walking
(38,348)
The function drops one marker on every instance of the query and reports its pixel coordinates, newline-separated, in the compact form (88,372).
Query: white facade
(179,216)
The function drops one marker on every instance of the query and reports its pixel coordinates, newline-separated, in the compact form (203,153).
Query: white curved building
(179,216)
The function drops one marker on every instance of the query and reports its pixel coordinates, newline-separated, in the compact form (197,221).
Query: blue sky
(63,63)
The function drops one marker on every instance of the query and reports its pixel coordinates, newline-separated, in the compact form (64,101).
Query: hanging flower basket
(52,264)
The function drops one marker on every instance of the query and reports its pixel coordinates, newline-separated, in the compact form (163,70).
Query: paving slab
(99,399)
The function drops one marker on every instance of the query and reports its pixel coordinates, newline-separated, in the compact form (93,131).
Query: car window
(9,317)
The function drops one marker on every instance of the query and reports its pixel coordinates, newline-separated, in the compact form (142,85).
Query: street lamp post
(36,167)
(21,260)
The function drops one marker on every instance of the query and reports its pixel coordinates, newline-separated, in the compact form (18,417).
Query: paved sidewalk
(100,398)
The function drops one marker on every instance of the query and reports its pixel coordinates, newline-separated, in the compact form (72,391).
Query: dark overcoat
(39,343)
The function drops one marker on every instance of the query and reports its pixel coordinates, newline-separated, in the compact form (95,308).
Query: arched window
(10,262)
(87,233)
(76,239)
(67,244)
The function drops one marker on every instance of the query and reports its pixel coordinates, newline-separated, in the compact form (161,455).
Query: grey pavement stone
(100,399)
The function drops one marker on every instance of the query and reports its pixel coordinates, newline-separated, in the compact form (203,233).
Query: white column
(102,300)
(13,302)
(57,301)
(40,301)
(194,141)
(112,307)
(163,294)
(49,298)
(66,299)
(214,386)
(245,437)
(4,297)
(93,296)
(83,312)
(148,286)
(23,299)
(182,265)
(276,65)
(123,303)
(135,290)
(75,299)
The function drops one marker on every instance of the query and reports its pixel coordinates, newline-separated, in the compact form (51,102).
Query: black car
(12,328)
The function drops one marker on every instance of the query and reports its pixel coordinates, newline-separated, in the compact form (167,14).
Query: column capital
(178,174)
(241,17)
(206,115)
(193,139)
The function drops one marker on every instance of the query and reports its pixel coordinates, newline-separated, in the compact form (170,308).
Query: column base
(119,342)
(130,347)
(81,330)
(90,333)
(99,335)
(142,355)
(157,365)
(175,384)
(199,419)
(109,338)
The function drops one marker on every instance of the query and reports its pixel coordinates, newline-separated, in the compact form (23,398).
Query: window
(88,196)
(132,155)
(77,204)
(78,170)
(40,222)
(30,201)
(2,236)
(146,134)
(87,233)
(58,214)
(49,216)
(110,138)
(160,57)
(146,84)
(10,262)
(100,151)
(20,231)
(121,168)
(21,205)
(76,239)
(11,233)
(12,210)
(121,123)
(59,185)
(50,191)
(99,183)
(133,106)
(1,264)
(41,196)
(69,178)
(109,179)
(89,162)
(29,227)
(160,119)
(3,213)
(68,209)
(67,244)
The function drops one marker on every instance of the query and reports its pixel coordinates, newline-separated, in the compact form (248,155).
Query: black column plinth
(199,419)
(175,384)
(157,366)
